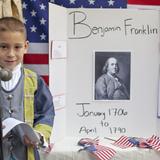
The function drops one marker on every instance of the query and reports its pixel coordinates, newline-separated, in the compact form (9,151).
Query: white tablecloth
(67,149)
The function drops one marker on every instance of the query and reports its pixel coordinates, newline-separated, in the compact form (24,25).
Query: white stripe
(130,6)
(41,69)
(40,48)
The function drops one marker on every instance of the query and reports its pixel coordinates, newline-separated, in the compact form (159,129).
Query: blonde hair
(12,24)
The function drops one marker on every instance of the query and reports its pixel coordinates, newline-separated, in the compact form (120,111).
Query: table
(67,149)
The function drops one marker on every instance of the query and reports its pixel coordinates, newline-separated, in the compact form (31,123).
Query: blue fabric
(90,148)
(36,154)
(12,158)
(43,104)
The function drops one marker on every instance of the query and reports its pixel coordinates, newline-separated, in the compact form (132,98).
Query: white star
(111,2)
(42,6)
(91,1)
(24,5)
(43,36)
(33,13)
(24,20)
(72,1)
(42,21)
(33,28)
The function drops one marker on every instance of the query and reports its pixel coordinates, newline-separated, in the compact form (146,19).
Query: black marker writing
(86,113)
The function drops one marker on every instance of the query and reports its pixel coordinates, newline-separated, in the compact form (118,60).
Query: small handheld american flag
(99,151)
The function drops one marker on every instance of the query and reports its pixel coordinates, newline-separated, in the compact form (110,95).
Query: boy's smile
(12,49)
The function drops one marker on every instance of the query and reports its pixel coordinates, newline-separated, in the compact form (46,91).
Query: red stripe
(46,79)
(36,59)
(144,2)
(104,153)
(123,142)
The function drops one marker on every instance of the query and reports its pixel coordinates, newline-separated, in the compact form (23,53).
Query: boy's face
(12,49)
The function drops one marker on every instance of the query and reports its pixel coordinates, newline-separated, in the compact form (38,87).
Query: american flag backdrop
(35,13)
(144,3)
(36,19)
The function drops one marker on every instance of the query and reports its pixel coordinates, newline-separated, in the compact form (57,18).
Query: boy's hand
(28,142)
(49,148)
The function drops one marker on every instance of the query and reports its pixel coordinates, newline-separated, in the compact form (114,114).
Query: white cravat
(16,74)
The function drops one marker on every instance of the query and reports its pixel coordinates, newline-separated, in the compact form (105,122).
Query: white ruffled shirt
(16,74)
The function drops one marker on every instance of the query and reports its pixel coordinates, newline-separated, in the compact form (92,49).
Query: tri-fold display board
(104,71)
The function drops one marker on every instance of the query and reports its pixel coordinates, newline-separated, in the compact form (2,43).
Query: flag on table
(103,152)
(123,142)
(126,142)
(154,142)
(140,142)
(88,141)
(99,151)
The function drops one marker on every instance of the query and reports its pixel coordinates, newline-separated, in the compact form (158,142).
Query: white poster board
(57,73)
(130,36)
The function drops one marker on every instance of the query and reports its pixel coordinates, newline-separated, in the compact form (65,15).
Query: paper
(59,100)
(11,123)
(59,49)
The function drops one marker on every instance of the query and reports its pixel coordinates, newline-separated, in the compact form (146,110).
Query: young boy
(25,97)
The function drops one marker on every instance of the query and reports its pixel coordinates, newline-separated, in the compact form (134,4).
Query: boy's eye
(3,46)
(18,47)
